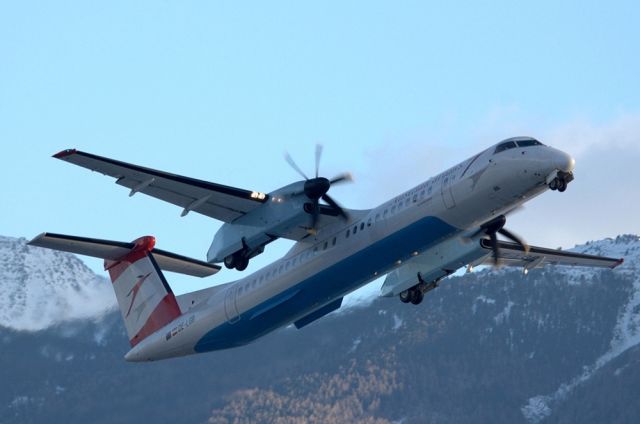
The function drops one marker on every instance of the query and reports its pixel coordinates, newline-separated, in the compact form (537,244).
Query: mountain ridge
(480,348)
(42,287)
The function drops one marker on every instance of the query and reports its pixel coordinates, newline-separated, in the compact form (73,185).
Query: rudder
(146,301)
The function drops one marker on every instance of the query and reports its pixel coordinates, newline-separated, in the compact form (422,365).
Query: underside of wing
(512,254)
(213,200)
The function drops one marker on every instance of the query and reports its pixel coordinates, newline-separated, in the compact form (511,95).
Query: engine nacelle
(282,216)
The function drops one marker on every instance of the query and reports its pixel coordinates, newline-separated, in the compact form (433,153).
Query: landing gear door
(447,195)
(230,305)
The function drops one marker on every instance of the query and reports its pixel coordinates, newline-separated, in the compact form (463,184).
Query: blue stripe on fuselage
(328,284)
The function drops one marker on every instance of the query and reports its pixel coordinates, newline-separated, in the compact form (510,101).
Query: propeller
(495,227)
(317,188)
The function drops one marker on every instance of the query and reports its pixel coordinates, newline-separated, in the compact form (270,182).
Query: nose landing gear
(561,180)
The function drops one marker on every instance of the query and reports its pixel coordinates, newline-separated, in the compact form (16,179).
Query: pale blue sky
(219,90)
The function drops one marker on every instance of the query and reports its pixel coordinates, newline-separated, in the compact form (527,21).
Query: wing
(512,254)
(213,200)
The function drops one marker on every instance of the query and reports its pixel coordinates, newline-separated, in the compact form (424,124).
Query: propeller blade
(346,177)
(335,206)
(508,234)
(318,156)
(494,247)
(292,163)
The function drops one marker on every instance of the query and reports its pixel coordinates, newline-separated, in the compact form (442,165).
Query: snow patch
(354,346)
(25,402)
(397,322)
(505,314)
(483,299)
(362,297)
(536,410)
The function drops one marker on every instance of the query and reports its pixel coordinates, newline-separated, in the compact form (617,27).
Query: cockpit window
(528,143)
(505,146)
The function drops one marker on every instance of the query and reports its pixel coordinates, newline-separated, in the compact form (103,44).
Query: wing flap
(512,254)
(113,250)
(214,200)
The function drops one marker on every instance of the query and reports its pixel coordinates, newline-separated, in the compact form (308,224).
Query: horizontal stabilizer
(113,250)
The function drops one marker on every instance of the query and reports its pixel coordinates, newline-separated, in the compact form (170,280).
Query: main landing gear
(415,294)
(561,181)
(238,260)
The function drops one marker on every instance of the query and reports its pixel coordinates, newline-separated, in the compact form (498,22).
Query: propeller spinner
(317,188)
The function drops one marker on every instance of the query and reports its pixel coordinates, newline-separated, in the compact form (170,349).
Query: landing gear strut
(561,181)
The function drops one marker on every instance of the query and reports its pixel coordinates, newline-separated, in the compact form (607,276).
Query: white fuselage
(343,257)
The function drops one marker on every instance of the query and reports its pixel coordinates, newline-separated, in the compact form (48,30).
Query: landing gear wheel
(562,186)
(238,261)
(553,185)
(416,296)
(242,263)
(230,261)
(405,296)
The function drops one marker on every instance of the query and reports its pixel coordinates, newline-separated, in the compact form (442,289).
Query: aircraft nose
(564,162)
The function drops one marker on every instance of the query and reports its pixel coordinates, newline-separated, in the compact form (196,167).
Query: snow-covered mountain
(40,288)
(626,333)
(558,345)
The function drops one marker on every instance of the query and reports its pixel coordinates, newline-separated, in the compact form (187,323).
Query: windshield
(529,142)
(505,146)
(514,142)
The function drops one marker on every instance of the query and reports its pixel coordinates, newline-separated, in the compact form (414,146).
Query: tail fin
(145,299)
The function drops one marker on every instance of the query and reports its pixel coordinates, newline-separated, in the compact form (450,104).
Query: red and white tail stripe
(145,299)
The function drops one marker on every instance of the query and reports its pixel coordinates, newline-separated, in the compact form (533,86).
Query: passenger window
(362,226)
(385,212)
(334,241)
(348,232)
(326,244)
(369,223)
(355,230)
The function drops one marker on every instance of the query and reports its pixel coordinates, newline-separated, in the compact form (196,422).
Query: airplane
(416,239)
